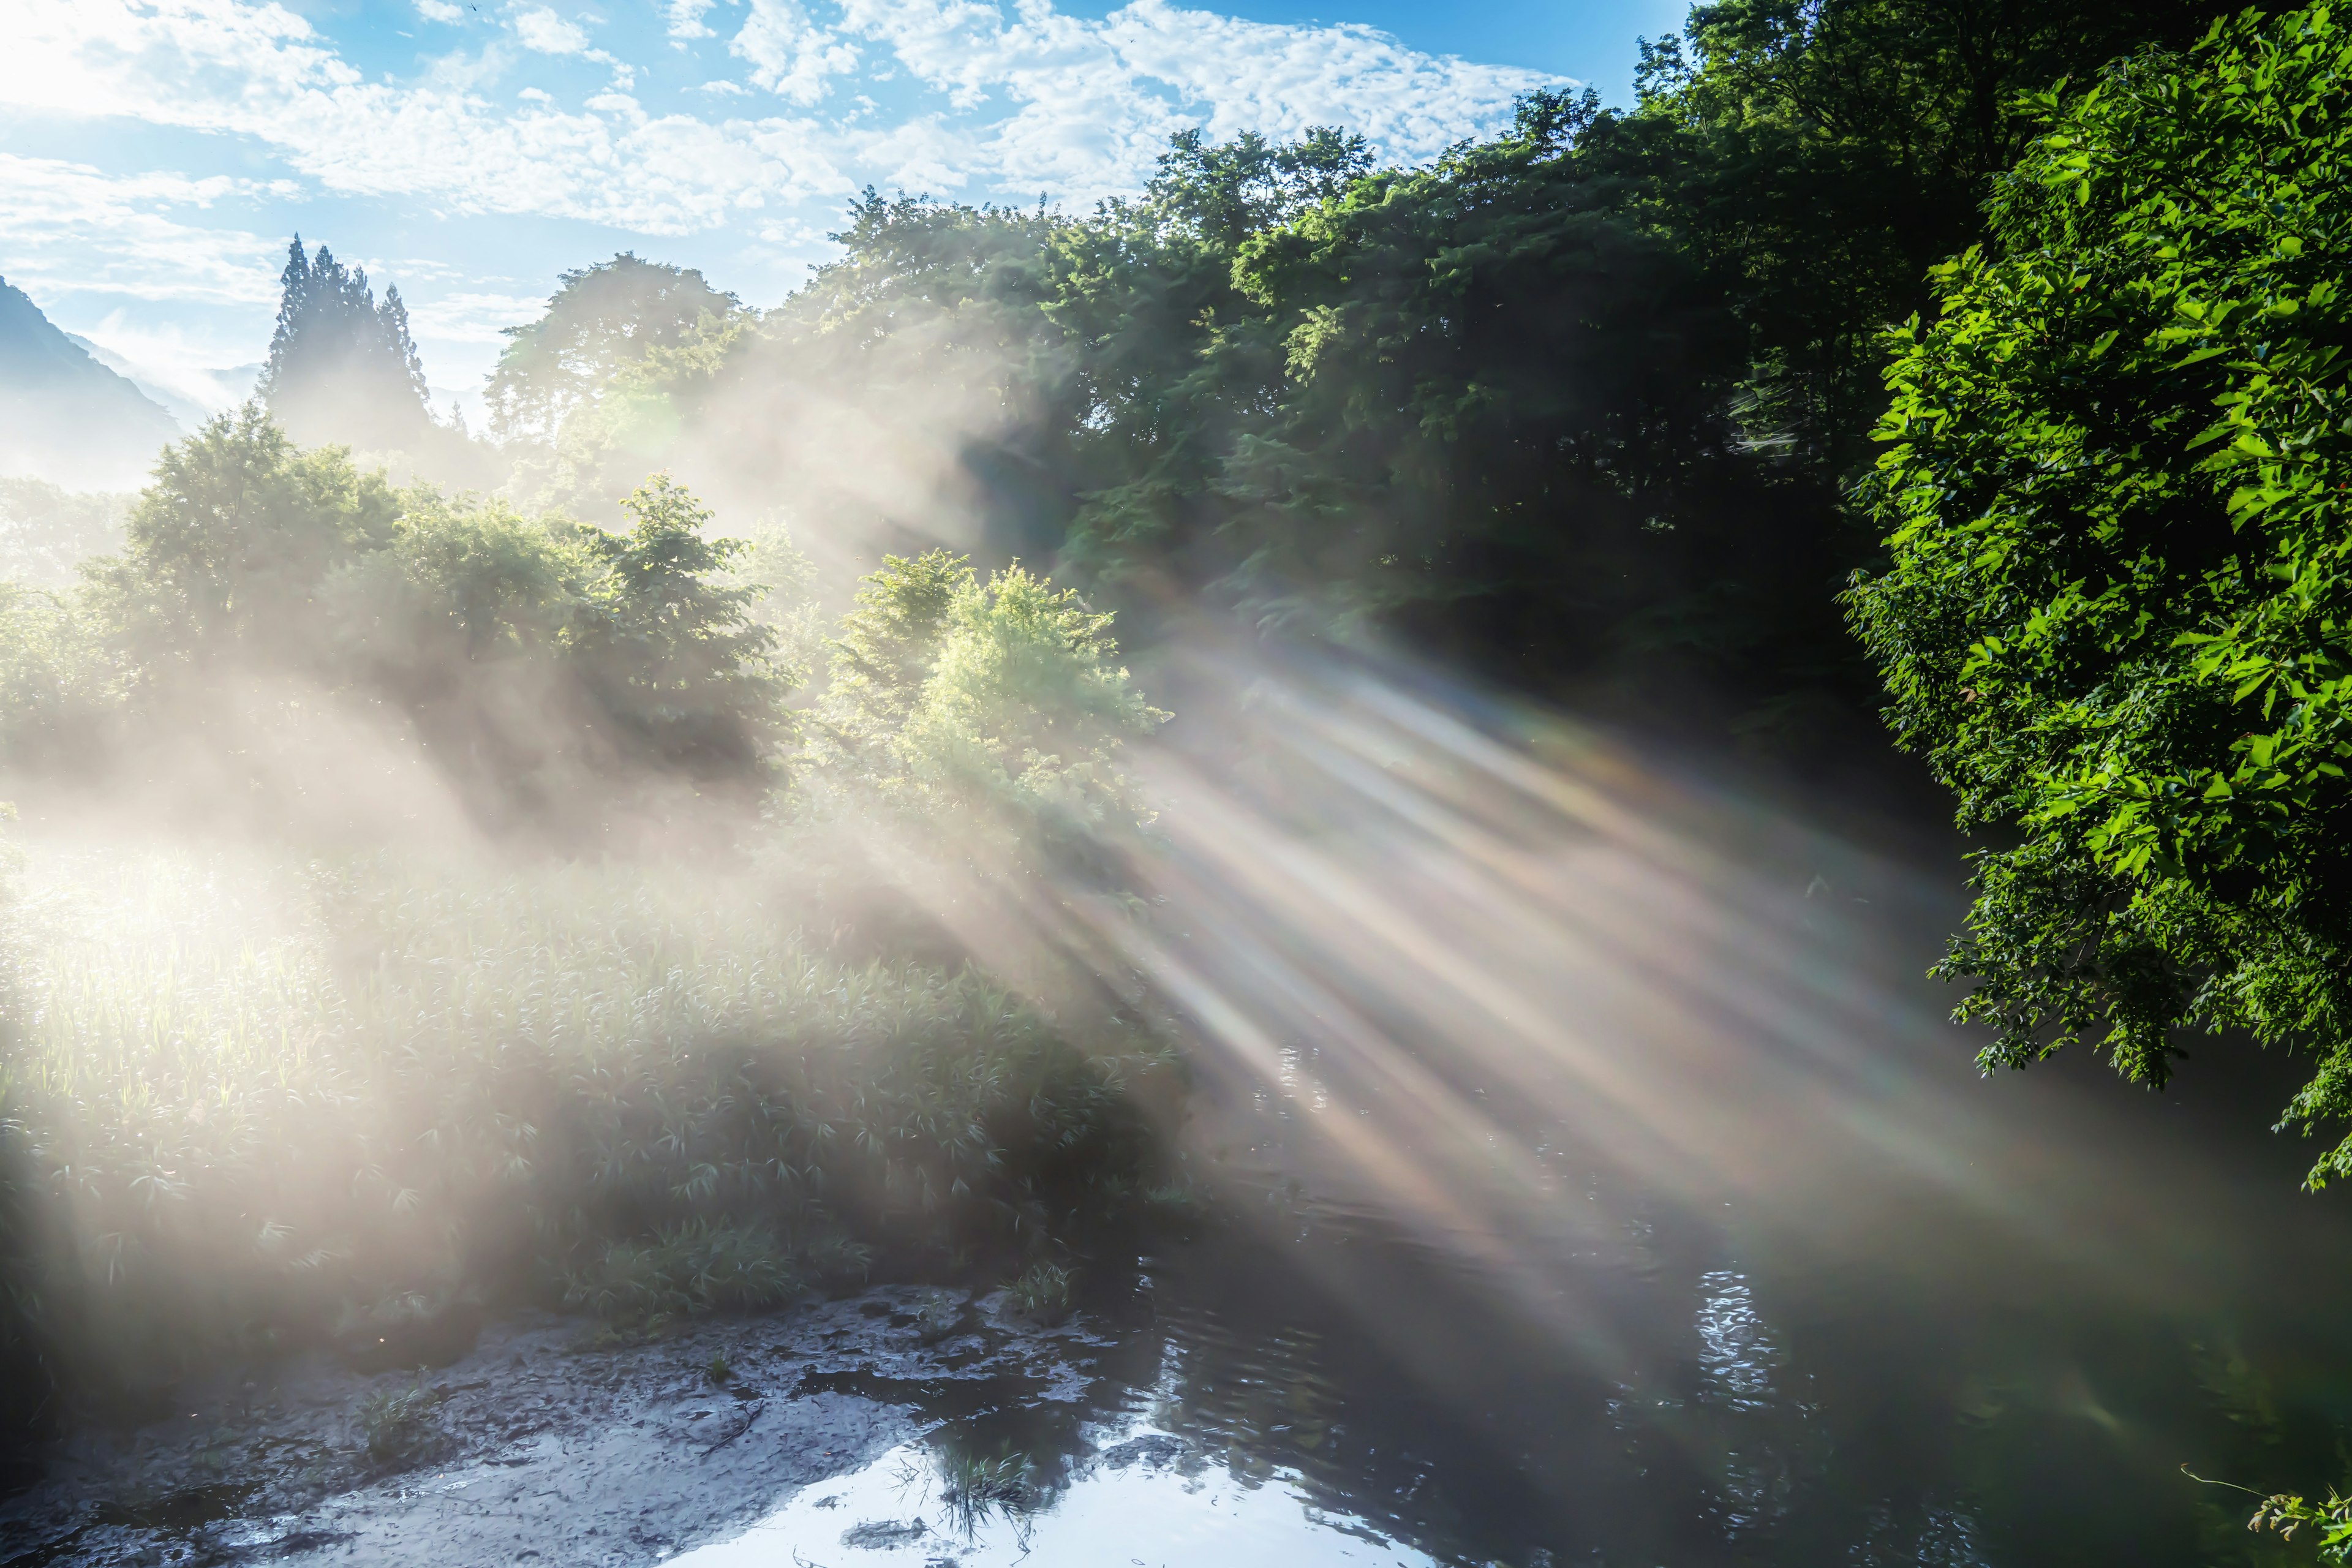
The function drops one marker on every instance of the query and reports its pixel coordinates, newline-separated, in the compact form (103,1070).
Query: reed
(242,1100)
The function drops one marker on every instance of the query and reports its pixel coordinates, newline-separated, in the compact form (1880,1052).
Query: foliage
(45,534)
(2331,1522)
(973,1486)
(689,1269)
(1041,1293)
(1818,156)
(1498,405)
(58,679)
(342,367)
(939,1316)
(249,1095)
(672,656)
(1573,403)
(994,704)
(400,1428)
(230,551)
(600,320)
(558,673)
(885,649)
(2116,613)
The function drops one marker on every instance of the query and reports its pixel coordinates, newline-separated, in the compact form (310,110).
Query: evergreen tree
(342,368)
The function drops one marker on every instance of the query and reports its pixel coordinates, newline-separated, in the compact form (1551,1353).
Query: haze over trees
(1598,407)
(341,366)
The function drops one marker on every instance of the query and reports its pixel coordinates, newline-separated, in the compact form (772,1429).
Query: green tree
(886,649)
(1820,155)
(228,552)
(995,703)
(2118,616)
(342,367)
(46,533)
(599,320)
(555,672)
(670,652)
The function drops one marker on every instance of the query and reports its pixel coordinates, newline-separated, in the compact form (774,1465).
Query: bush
(554,673)
(247,1097)
(399,1426)
(2118,616)
(994,707)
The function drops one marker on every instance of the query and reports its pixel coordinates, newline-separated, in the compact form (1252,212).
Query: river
(1599,1180)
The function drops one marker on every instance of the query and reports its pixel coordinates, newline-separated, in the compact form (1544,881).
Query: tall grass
(245,1100)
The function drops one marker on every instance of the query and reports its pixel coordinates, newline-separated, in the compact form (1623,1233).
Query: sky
(156,155)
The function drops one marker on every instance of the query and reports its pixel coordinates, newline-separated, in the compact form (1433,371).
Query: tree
(676,664)
(995,704)
(2118,616)
(1497,419)
(556,674)
(599,320)
(1820,155)
(228,553)
(342,367)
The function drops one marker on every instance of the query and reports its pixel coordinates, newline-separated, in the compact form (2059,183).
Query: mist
(1093,809)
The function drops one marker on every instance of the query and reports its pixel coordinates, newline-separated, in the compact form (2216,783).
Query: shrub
(2118,614)
(399,1426)
(1041,1293)
(247,1097)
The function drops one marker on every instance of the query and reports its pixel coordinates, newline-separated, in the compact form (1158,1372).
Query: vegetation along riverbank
(685,849)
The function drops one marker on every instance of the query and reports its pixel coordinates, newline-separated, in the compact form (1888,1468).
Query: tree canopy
(2118,616)
(599,320)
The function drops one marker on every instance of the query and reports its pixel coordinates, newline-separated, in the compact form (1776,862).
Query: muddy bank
(529,1449)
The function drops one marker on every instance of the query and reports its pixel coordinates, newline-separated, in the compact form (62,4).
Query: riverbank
(536,1447)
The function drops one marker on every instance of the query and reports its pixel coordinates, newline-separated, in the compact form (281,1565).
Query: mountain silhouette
(65,417)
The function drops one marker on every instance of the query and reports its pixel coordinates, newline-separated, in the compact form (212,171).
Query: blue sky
(155,155)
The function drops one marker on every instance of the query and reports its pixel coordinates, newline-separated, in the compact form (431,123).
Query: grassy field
(255,1102)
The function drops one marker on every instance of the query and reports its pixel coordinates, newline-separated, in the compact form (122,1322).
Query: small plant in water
(973,1486)
(722,1370)
(400,1428)
(1175,1206)
(1042,1293)
(939,1318)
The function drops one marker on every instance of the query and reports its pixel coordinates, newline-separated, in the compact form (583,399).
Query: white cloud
(440,11)
(1010,99)
(685,18)
(73,228)
(791,55)
(260,71)
(1092,102)
(474,316)
(549,33)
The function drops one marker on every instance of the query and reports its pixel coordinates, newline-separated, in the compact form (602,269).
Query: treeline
(1582,404)
(1579,403)
(1597,406)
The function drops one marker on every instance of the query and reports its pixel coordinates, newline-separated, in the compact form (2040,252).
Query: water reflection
(1146,1498)
(1598,1183)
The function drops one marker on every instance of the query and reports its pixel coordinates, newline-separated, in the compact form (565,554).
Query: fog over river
(1591,1177)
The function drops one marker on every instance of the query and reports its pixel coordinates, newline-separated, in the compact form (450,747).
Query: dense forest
(1983,358)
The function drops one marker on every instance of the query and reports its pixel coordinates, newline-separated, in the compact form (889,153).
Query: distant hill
(190,396)
(65,417)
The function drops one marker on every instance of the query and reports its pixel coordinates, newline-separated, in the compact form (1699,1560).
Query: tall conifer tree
(342,368)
